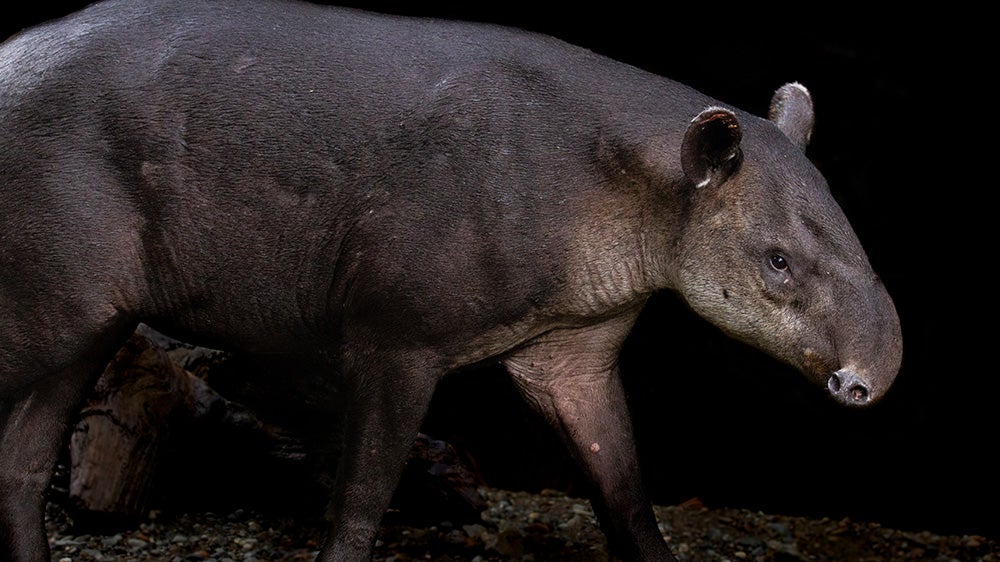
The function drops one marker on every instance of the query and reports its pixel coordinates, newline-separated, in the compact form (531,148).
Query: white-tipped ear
(792,111)
(710,152)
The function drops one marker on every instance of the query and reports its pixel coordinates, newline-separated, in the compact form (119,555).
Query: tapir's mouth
(848,388)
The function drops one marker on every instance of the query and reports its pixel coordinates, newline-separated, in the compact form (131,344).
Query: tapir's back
(246,145)
(228,75)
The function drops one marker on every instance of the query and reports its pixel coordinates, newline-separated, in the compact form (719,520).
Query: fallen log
(152,431)
(116,444)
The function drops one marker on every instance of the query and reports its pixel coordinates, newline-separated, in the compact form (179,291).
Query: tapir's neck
(627,249)
(643,204)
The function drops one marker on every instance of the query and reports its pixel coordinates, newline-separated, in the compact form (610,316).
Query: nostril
(859,393)
(834,383)
(848,387)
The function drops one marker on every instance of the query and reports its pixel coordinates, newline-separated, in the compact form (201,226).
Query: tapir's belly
(249,275)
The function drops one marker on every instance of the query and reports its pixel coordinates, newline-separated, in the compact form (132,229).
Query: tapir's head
(769,257)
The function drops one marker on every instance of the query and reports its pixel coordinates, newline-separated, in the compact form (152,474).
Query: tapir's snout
(849,388)
(869,349)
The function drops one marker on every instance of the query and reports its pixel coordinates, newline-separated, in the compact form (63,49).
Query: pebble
(522,526)
(973,541)
(714,534)
(474,531)
(135,543)
(781,528)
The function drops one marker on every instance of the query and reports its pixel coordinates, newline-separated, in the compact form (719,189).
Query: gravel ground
(517,526)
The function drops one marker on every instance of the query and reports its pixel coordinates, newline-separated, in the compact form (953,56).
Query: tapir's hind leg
(33,424)
(388,400)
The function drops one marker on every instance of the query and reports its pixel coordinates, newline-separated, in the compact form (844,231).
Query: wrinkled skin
(399,198)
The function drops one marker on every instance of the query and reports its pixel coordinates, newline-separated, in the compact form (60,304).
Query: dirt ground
(517,526)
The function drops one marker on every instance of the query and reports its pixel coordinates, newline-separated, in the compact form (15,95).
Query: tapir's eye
(778,262)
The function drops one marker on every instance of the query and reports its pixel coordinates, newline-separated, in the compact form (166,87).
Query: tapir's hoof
(849,388)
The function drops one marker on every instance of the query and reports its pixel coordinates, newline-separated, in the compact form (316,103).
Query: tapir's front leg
(571,378)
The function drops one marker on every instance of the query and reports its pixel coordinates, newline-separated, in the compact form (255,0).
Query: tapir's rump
(400,198)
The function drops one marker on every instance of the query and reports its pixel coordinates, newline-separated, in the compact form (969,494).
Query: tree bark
(116,445)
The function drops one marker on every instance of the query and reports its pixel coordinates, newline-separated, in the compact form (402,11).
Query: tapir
(400,198)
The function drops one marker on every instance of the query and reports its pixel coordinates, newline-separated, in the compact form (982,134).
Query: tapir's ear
(710,152)
(792,111)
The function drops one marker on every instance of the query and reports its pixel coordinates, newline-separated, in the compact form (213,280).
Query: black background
(900,109)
